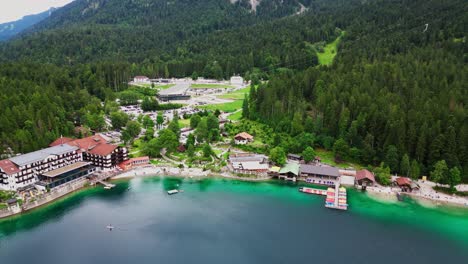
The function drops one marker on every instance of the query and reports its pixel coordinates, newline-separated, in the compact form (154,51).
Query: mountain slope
(11,29)
(174,32)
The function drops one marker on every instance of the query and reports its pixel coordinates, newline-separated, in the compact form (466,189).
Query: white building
(243,138)
(237,80)
(23,170)
(141,79)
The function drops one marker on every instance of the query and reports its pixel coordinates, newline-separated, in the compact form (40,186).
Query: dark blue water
(218,221)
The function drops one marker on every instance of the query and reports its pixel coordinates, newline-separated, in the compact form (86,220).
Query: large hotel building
(65,160)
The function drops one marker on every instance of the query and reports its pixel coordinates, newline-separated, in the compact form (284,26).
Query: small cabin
(243,138)
(364,178)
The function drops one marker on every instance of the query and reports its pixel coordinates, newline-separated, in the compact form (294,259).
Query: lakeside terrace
(55,178)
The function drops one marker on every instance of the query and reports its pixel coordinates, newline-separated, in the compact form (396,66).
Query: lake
(224,221)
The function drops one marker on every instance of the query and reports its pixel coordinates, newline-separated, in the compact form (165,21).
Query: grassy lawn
(3,206)
(326,57)
(184,123)
(236,95)
(226,107)
(236,116)
(329,158)
(136,148)
(211,86)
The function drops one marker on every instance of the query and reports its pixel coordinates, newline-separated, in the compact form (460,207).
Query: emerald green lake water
(223,221)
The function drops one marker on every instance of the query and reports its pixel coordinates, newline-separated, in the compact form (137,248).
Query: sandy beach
(426,196)
(167,171)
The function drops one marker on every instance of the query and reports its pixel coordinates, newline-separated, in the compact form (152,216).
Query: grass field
(210,86)
(236,95)
(184,123)
(328,157)
(236,116)
(226,107)
(326,57)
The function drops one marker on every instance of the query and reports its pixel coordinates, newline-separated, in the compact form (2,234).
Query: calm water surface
(220,221)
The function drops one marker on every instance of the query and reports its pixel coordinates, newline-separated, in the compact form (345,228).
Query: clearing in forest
(329,51)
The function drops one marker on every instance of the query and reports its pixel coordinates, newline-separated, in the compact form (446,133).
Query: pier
(106,184)
(335,198)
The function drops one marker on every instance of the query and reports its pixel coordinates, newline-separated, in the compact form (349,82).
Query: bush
(450,191)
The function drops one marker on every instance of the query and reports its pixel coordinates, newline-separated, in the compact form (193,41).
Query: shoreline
(379,194)
(387,194)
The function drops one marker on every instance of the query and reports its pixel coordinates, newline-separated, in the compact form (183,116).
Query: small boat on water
(107,187)
(171,192)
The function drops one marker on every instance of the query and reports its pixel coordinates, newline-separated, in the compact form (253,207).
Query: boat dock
(336,198)
(313,191)
(107,185)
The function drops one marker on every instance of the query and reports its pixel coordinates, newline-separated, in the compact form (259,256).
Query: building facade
(243,138)
(24,170)
(96,150)
(141,79)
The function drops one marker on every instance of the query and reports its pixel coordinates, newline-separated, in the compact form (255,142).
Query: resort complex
(65,160)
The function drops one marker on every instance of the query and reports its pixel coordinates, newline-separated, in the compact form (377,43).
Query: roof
(320,170)
(245,158)
(42,154)
(9,167)
(140,158)
(365,174)
(403,181)
(178,89)
(275,169)
(181,148)
(65,169)
(253,165)
(290,168)
(60,141)
(294,156)
(244,135)
(102,149)
(11,201)
(96,145)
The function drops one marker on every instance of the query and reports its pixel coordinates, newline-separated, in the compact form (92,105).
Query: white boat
(107,187)
(170,192)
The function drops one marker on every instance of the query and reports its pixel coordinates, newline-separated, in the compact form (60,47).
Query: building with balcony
(97,150)
(23,170)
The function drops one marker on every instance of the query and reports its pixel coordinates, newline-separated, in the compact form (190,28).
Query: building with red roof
(406,184)
(243,138)
(134,162)
(364,178)
(97,150)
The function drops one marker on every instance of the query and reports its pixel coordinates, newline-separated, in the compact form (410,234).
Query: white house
(141,79)
(243,138)
(237,80)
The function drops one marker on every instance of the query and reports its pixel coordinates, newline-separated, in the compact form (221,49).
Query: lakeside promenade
(46,198)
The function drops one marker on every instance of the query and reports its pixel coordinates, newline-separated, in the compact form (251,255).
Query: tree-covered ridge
(42,102)
(395,88)
(189,38)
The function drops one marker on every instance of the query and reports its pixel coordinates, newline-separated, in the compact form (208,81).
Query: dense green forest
(396,91)
(211,37)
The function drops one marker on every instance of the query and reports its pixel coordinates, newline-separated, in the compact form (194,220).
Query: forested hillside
(396,92)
